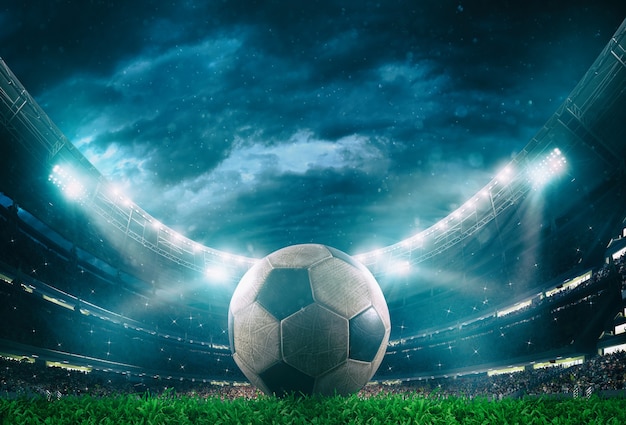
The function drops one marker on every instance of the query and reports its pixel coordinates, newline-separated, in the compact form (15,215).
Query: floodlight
(547,169)
(68,182)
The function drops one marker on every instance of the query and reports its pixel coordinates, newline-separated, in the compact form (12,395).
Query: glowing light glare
(373,255)
(377,253)
(413,242)
(217,273)
(400,267)
(505,175)
(74,190)
(547,169)
(243,260)
(361,257)
(67,182)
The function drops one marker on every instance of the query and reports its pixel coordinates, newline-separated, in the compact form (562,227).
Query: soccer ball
(308,319)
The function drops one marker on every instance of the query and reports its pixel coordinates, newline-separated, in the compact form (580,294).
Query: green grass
(384,409)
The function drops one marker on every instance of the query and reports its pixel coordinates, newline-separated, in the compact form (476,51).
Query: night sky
(249,126)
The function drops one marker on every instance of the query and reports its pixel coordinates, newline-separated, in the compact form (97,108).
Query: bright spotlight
(399,267)
(217,274)
(544,171)
(68,183)
(505,175)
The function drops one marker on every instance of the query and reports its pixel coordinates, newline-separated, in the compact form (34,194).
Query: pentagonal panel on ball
(282,379)
(315,339)
(367,332)
(340,286)
(256,338)
(249,286)
(285,291)
(380,305)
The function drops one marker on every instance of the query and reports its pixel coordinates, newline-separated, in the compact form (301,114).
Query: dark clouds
(249,125)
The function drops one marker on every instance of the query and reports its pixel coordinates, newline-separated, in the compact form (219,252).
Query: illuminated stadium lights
(379,253)
(217,274)
(69,184)
(547,169)
(170,242)
(401,267)
(114,192)
(472,203)
(413,242)
(504,176)
(506,370)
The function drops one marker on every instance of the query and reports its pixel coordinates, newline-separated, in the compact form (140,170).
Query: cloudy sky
(250,125)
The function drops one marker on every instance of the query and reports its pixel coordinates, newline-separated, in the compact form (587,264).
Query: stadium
(504,296)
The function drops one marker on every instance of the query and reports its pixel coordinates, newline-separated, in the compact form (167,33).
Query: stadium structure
(521,275)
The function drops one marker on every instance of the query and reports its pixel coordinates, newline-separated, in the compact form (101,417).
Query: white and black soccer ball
(308,319)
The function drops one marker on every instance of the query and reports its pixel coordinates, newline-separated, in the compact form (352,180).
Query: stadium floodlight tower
(68,182)
(542,172)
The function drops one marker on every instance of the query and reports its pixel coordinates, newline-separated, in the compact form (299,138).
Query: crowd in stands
(596,375)
(26,379)
(571,319)
(600,375)
(620,264)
